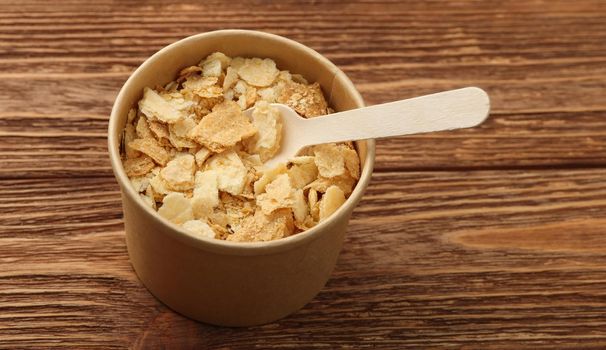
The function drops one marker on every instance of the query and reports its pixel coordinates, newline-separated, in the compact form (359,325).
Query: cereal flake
(223,128)
(231,172)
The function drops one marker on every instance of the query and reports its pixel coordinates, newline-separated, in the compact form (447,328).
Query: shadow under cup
(233,283)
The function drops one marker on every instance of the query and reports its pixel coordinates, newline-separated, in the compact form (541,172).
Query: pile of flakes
(194,156)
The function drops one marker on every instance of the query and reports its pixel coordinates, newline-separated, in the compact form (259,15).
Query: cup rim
(217,245)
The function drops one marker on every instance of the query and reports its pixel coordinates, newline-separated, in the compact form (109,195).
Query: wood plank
(484,259)
(534,6)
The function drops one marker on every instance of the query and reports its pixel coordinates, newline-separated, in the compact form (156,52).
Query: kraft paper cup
(233,283)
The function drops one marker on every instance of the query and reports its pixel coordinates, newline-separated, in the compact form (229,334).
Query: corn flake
(299,206)
(155,107)
(258,72)
(336,159)
(179,173)
(178,133)
(346,183)
(138,166)
(331,201)
(236,210)
(130,135)
(231,77)
(223,59)
(176,208)
(159,188)
(152,148)
(303,171)
(278,194)
(142,128)
(307,100)
(159,130)
(267,121)
(204,87)
(268,176)
(201,156)
(261,227)
(206,193)
(212,68)
(223,128)
(231,172)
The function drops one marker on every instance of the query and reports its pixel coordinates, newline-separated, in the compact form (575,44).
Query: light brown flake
(159,189)
(205,87)
(231,172)
(336,160)
(189,71)
(352,161)
(303,171)
(266,142)
(143,131)
(298,78)
(150,196)
(179,173)
(237,209)
(217,56)
(157,107)
(345,182)
(223,128)
(306,224)
(267,94)
(201,156)
(299,206)
(159,130)
(278,194)
(152,148)
(130,135)
(267,177)
(307,100)
(138,166)
(250,160)
(312,198)
(179,133)
(212,68)
(231,77)
(329,159)
(206,193)
(261,227)
(331,201)
(176,208)
(258,72)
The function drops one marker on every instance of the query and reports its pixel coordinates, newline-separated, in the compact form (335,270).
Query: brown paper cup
(231,283)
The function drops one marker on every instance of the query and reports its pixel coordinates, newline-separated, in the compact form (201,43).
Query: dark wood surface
(492,238)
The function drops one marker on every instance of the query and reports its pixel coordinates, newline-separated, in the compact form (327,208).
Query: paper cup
(233,283)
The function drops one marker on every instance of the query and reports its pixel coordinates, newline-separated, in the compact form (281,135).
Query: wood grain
(534,78)
(431,259)
(490,238)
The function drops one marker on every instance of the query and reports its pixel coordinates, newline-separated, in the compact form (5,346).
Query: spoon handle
(449,110)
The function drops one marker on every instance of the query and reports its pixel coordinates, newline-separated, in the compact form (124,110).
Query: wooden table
(476,239)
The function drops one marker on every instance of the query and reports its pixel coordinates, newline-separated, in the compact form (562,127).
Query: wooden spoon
(449,110)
